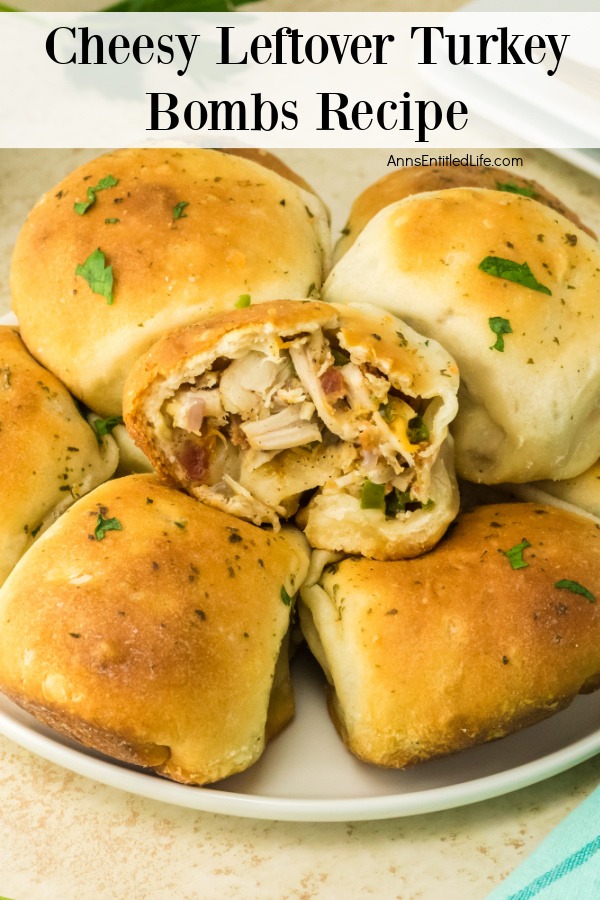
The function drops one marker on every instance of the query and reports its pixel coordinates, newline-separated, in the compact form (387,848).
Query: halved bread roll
(153,629)
(410,180)
(249,410)
(496,628)
(512,290)
(138,242)
(50,454)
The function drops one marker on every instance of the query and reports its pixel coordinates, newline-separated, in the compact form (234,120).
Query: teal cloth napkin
(566,866)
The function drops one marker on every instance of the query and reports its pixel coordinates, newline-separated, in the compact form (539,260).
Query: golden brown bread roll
(429,656)
(512,290)
(183,232)
(50,454)
(250,409)
(273,162)
(402,183)
(152,628)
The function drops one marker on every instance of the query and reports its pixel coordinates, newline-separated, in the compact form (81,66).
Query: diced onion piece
(189,407)
(195,416)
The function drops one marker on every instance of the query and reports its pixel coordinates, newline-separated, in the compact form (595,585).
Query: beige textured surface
(63,836)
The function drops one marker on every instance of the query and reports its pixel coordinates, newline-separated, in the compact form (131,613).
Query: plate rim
(114,774)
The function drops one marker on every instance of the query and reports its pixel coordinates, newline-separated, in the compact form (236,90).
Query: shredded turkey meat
(296,416)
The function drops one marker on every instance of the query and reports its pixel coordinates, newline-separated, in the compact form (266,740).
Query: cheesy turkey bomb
(138,242)
(416,180)
(50,454)
(251,409)
(153,629)
(512,290)
(495,629)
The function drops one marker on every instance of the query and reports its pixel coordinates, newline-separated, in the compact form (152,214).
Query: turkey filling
(288,415)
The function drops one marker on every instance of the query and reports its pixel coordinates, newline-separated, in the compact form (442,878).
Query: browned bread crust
(50,454)
(402,183)
(529,412)
(273,162)
(159,643)
(243,229)
(433,655)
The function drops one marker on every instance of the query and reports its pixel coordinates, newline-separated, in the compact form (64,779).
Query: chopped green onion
(395,502)
(339,358)
(386,411)
(372,496)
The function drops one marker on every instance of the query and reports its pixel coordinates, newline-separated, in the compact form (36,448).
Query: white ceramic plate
(306,774)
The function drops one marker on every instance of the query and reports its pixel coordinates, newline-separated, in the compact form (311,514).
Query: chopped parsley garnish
(372,495)
(103,184)
(417,431)
(285,597)
(515,555)
(512,188)
(242,301)
(519,273)
(98,275)
(111,221)
(103,427)
(499,326)
(178,211)
(104,525)
(576,588)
